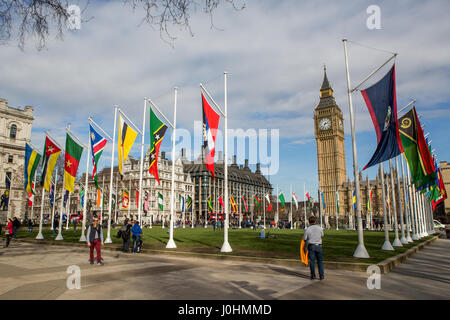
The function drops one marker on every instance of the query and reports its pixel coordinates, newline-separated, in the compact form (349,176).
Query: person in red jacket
(8,232)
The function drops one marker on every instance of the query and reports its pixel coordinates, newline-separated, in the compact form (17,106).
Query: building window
(10,159)
(13,131)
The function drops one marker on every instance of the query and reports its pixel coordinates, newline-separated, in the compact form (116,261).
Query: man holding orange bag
(313,236)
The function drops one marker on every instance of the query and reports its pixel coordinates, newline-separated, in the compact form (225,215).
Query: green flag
(160,201)
(283,202)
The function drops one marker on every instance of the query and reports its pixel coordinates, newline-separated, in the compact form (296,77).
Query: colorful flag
(354,200)
(71,162)
(245,204)
(381,101)
(146,201)
(31,196)
(210,206)
(323,200)
(233,204)
(221,202)
(255,198)
(282,200)
(98,143)
(189,204)
(295,200)
(181,202)
(268,200)
(160,201)
(49,158)
(416,150)
(137,198)
(125,199)
(157,131)
(31,162)
(369,201)
(210,125)
(82,197)
(99,197)
(126,139)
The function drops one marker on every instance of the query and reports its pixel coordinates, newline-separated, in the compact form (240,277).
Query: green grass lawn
(338,245)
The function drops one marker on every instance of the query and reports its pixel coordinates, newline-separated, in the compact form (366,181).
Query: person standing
(8,231)
(16,225)
(74,222)
(125,232)
(313,235)
(137,232)
(95,240)
(30,225)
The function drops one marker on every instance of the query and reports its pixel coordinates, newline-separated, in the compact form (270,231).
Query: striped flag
(31,162)
(268,200)
(233,204)
(125,199)
(295,200)
(98,143)
(245,204)
(181,202)
(221,201)
(31,196)
(189,204)
(51,154)
(323,200)
(255,198)
(157,131)
(71,162)
(354,200)
(160,201)
(210,125)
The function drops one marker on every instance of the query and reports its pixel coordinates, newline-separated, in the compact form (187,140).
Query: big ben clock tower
(329,133)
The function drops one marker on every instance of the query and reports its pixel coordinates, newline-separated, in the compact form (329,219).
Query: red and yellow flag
(71,162)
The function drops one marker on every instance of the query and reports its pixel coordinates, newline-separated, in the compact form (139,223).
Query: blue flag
(382,104)
(323,200)
(66,195)
(52,194)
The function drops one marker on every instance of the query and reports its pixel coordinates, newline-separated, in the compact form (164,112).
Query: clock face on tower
(341,126)
(325,124)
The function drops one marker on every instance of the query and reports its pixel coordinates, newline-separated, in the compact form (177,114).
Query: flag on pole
(99,197)
(323,199)
(337,201)
(31,162)
(354,200)
(282,200)
(160,202)
(295,200)
(181,202)
(210,207)
(255,198)
(210,125)
(245,204)
(31,196)
(82,197)
(233,204)
(146,201)
(268,200)
(369,201)
(221,202)
(416,150)
(98,143)
(381,101)
(66,196)
(51,154)
(137,198)
(52,194)
(157,131)
(125,199)
(189,204)
(71,162)
(126,139)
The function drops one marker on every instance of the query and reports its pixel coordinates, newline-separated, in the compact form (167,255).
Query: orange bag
(303,253)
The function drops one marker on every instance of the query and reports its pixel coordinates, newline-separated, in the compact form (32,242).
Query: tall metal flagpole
(226,245)
(407,203)
(304,202)
(171,244)
(264,206)
(101,198)
(402,224)
(83,227)
(108,237)
(59,236)
(40,236)
(412,207)
(142,163)
(387,244)
(67,211)
(396,242)
(54,194)
(360,251)
(277,208)
(130,195)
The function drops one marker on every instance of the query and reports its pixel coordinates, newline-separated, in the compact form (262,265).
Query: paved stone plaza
(34,271)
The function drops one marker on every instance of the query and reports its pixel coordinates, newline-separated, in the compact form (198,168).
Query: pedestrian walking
(95,240)
(313,236)
(137,232)
(16,226)
(8,231)
(74,222)
(125,234)
(30,225)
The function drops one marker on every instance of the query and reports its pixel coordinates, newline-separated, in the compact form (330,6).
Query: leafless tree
(38,18)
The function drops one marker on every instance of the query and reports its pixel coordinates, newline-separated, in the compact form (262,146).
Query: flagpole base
(415,237)
(59,237)
(226,247)
(171,244)
(108,240)
(40,236)
(409,239)
(387,246)
(397,243)
(361,252)
(82,238)
(403,240)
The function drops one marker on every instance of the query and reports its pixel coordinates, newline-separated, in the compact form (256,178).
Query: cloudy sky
(273,51)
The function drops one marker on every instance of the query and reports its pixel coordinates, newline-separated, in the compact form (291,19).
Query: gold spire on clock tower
(329,134)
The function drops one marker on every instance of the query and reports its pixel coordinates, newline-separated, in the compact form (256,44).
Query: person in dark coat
(125,232)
